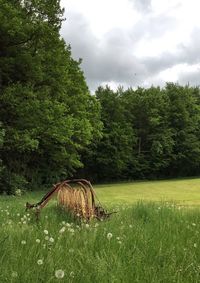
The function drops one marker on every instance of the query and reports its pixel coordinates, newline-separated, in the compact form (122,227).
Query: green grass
(151,241)
(183,192)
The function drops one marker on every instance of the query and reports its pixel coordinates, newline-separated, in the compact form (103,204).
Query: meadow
(153,237)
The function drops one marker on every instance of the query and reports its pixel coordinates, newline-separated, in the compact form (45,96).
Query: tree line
(52,128)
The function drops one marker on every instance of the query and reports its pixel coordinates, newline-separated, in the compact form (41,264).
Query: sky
(133,43)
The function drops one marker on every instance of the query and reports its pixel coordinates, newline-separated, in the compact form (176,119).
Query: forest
(52,128)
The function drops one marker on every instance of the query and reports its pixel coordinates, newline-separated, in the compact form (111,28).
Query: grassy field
(183,192)
(144,242)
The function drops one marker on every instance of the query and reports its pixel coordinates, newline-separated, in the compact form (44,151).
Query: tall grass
(145,242)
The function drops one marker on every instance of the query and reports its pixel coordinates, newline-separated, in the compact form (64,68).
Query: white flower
(71,230)
(18,214)
(24,222)
(118,238)
(87,225)
(51,240)
(71,274)
(193,224)
(195,245)
(63,222)
(14,274)
(68,225)
(37,241)
(62,230)
(109,236)
(119,242)
(46,238)
(59,273)
(46,232)
(130,226)
(23,242)
(40,262)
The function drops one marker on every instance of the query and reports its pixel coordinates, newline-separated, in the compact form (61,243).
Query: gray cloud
(113,59)
(142,5)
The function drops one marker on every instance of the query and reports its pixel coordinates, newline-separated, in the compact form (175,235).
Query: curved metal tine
(88,216)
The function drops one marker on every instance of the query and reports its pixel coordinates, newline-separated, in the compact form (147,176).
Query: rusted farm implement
(77,196)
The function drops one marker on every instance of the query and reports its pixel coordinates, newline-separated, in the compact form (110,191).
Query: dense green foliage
(145,242)
(47,114)
(50,125)
(148,133)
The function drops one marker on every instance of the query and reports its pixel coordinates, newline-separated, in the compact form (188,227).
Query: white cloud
(134,42)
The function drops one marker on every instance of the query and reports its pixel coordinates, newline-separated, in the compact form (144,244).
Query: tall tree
(47,113)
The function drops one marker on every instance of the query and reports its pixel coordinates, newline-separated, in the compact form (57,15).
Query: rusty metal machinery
(77,196)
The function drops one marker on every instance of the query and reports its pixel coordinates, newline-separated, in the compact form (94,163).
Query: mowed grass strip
(183,192)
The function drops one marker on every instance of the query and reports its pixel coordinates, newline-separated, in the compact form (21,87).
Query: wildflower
(40,262)
(71,274)
(109,236)
(63,222)
(71,230)
(195,245)
(118,238)
(46,238)
(59,273)
(51,240)
(46,232)
(37,241)
(120,242)
(62,230)
(193,224)
(130,226)
(68,225)
(24,222)
(18,192)
(14,274)
(23,242)
(87,225)
(18,214)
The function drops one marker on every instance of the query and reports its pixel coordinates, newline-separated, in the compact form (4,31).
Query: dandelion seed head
(109,236)
(51,240)
(40,262)
(62,230)
(59,273)
(14,274)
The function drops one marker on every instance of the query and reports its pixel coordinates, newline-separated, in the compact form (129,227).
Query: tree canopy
(51,127)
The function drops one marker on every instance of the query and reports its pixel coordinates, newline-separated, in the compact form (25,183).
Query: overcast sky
(134,42)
